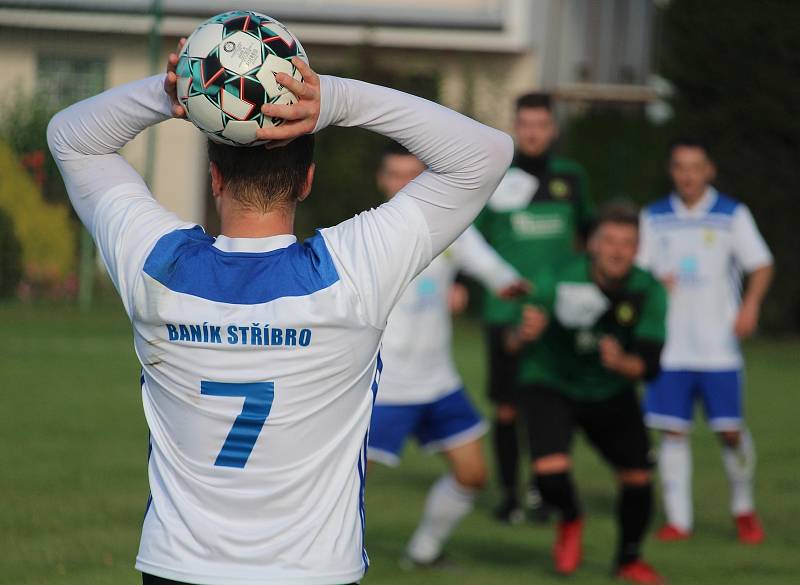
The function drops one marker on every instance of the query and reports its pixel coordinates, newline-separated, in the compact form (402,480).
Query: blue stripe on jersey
(362,465)
(660,207)
(186,261)
(724,205)
(376,379)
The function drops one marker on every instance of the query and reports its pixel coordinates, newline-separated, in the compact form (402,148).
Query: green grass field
(73,449)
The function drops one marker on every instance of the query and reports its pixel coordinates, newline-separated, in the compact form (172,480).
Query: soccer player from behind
(540,212)
(421,393)
(699,242)
(260,354)
(598,323)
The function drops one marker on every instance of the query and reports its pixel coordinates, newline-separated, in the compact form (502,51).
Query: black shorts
(615,427)
(503,367)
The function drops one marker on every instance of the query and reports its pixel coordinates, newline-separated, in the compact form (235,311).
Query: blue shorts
(669,402)
(440,425)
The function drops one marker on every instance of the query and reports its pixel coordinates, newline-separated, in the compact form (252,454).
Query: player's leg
(723,401)
(668,408)
(550,430)
(616,429)
(452,426)
(502,383)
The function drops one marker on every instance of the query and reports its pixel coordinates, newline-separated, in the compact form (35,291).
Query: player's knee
(634,477)
(505,413)
(472,476)
(731,438)
(549,464)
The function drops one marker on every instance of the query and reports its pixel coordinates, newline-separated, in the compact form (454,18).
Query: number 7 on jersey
(258,397)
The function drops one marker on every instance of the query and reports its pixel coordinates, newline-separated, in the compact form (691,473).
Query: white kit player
(421,393)
(700,242)
(259,353)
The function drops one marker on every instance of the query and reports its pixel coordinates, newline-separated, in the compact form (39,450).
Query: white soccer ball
(226,72)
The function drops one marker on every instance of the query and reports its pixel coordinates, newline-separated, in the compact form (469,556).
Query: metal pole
(86,271)
(155,65)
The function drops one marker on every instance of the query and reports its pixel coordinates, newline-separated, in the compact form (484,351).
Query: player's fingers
(298,88)
(309,75)
(178,111)
(286,112)
(289,130)
(172,62)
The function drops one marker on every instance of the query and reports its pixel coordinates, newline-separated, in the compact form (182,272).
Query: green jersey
(567,357)
(532,221)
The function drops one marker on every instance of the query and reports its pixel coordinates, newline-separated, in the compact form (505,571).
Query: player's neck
(690,200)
(239,223)
(604,281)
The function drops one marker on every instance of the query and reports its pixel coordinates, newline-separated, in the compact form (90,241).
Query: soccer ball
(226,72)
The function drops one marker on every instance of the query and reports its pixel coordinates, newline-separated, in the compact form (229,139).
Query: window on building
(63,80)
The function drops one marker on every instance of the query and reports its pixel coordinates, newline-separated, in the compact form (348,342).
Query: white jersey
(260,356)
(704,250)
(418,364)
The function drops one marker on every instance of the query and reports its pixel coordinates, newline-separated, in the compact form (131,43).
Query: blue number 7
(242,437)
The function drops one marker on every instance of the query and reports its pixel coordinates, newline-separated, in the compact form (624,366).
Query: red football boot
(568,550)
(749,529)
(671,533)
(639,572)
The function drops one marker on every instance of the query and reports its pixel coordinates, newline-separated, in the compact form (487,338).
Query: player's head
(398,168)
(535,127)
(614,241)
(690,167)
(260,179)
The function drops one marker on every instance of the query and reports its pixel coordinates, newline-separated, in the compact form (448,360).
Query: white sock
(675,468)
(740,464)
(447,503)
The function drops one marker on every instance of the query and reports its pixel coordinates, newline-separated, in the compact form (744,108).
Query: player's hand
(746,320)
(515,290)
(670,281)
(534,322)
(171,82)
(611,353)
(299,118)
(458,298)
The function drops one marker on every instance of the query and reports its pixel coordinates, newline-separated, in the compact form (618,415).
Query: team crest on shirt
(625,314)
(559,188)
(708,237)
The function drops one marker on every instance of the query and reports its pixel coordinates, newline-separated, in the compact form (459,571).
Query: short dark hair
(689,142)
(617,212)
(535,100)
(395,149)
(265,179)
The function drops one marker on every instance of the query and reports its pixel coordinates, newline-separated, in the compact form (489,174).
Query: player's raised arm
(476,258)
(109,196)
(382,250)
(465,158)
(85,139)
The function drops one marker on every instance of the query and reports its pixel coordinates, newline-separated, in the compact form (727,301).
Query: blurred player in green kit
(599,326)
(539,213)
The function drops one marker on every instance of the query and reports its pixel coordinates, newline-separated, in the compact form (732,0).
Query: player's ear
(309,182)
(217,180)
(712,171)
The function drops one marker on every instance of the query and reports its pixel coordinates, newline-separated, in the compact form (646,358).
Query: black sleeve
(650,352)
